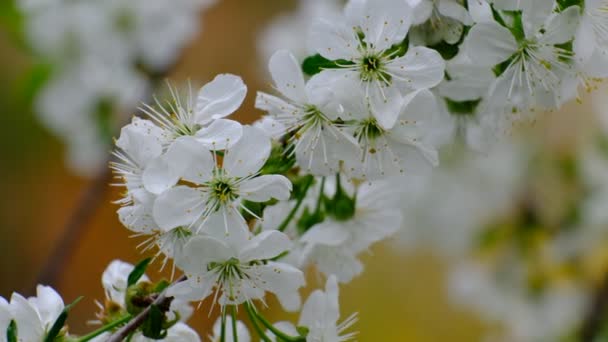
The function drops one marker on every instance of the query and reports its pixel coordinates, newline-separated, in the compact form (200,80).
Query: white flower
(114,280)
(180,332)
(308,116)
(5,319)
(288,31)
(36,315)
(407,146)
(320,314)
(591,42)
(437,20)
(217,191)
(242,333)
(333,244)
(369,61)
(536,69)
(240,268)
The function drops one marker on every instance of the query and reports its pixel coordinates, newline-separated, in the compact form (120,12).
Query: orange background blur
(399,297)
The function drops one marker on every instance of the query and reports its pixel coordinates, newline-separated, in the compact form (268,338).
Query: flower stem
(255,323)
(104,329)
(223,330)
(293,211)
(278,333)
(235,335)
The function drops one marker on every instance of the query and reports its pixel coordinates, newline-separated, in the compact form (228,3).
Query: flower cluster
(342,158)
(101,58)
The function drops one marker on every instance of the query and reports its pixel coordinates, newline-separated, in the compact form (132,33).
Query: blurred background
(402,294)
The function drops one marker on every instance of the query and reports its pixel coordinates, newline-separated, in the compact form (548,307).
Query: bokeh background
(400,297)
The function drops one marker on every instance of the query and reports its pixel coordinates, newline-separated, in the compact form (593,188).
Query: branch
(125,331)
(592,325)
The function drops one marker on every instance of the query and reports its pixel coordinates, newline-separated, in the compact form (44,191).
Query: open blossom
(240,269)
(334,244)
(361,41)
(216,191)
(406,146)
(439,20)
(320,314)
(308,115)
(591,42)
(242,333)
(34,316)
(536,69)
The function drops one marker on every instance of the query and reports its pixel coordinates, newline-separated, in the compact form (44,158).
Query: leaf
(138,272)
(315,64)
(60,322)
(11,20)
(11,332)
(34,80)
(153,325)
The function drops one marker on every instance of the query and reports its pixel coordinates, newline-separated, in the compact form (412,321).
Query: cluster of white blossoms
(242,211)
(102,57)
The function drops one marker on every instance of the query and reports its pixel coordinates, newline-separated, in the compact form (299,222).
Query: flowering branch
(161,301)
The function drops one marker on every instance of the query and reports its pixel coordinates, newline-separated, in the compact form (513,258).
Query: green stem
(103,329)
(223,331)
(255,324)
(278,333)
(293,211)
(235,335)
(320,199)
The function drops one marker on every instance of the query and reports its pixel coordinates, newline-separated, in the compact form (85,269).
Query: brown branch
(592,325)
(126,330)
(85,209)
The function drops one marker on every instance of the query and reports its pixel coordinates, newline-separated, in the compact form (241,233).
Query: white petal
(220,134)
(420,68)
(454,10)
(287,75)
(333,40)
(141,141)
(48,303)
(489,44)
(189,159)
(313,310)
(219,98)
(137,218)
(585,41)
(28,321)
(228,225)
(384,22)
(193,289)
(202,250)
(418,117)
(249,154)
(326,233)
(284,281)
(385,104)
(180,332)
(266,187)
(274,105)
(266,245)
(480,11)
(562,27)
(179,206)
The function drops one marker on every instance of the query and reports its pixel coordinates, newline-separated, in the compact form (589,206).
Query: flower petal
(489,44)
(266,245)
(249,154)
(265,188)
(333,39)
(219,98)
(284,281)
(420,68)
(220,134)
(287,75)
(179,206)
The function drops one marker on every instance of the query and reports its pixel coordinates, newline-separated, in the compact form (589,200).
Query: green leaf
(34,80)
(153,325)
(11,20)
(313,65)
(60,322)
(138,272)
(11,332)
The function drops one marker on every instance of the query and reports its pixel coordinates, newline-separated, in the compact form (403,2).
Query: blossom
(591,42)
(439,20)
(308,116)
(361,42)
(240,269)
(320,315)
(36,315)
(409,146)
(333,245)
(242,333)
(535,69)
(217,191)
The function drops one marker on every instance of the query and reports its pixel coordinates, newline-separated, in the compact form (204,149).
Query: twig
(592,325)
(136,322)
(85,209)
